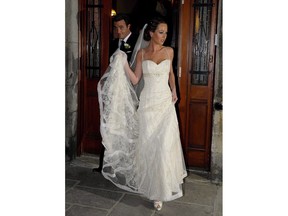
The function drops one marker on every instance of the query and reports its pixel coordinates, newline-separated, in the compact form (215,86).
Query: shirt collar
(126,38)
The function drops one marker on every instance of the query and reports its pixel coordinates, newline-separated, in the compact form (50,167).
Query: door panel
(197,130)
(198,29)
(94,42)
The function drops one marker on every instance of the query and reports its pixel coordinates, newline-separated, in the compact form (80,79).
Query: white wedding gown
(143,149)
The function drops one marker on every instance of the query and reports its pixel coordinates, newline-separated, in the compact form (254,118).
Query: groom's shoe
(99,169)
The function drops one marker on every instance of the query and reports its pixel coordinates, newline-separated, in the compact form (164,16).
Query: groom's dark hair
(122,16)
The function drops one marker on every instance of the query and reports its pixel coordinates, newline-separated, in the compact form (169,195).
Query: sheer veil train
(118,101)
(141,43)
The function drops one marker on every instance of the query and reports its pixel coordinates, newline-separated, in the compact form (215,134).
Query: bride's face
(160,34)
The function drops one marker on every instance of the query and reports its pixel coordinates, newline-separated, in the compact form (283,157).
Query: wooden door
(94,35)
(197,33)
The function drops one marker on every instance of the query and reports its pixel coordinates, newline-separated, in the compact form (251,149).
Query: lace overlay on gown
(143,149)
(118,123)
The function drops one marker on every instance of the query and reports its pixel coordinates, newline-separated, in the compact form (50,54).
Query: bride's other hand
(174,96)
(124,57)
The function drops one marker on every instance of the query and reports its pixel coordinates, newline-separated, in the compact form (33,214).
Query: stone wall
(216,148)
(71,76)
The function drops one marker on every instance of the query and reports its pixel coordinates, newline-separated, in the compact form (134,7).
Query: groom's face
(121,29)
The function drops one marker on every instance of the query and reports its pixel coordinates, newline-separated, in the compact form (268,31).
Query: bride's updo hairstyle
(151,27)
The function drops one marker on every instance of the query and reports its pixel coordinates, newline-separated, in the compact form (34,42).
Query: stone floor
(89,193)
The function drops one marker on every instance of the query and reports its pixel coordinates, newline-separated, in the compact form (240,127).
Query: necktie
(122,44)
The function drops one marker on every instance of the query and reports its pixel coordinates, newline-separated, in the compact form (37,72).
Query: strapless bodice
(156,76)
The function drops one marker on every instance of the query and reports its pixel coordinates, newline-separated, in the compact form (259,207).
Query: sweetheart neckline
(155,62)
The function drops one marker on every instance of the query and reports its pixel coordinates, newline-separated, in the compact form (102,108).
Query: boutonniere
(127,46)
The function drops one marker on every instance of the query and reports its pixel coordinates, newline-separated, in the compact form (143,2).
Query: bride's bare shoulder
(141,51)
(139,54)
(170,51)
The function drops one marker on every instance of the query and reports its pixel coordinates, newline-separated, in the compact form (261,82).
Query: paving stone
(200,177)
(181,209)
(67,206)
(133,205)
(218,210)
(90,179)
(77,173)
(89,193)
(199,193)
(190,186)
(92,197)
(70,183)
(96,180)
(85,211)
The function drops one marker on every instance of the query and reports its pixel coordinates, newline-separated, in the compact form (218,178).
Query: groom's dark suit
(128,47)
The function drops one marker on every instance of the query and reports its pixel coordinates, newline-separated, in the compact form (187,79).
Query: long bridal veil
(118,103)
(141,43)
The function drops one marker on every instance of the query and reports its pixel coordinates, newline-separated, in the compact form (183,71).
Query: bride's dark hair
(152,25)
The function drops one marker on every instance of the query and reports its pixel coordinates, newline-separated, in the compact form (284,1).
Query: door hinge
(179,72)
(216,40)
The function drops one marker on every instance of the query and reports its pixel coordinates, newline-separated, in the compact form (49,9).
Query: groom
(126,39)
(126,42)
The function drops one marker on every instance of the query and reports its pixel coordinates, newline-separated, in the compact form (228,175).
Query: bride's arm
(172,77)
(136,75)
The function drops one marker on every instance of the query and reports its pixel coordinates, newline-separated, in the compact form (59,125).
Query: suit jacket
(128,49)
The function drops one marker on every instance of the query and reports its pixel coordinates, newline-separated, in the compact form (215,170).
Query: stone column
(71,76)
(216,148)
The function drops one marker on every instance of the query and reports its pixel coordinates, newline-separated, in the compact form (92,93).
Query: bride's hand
(174,96)
(125,60)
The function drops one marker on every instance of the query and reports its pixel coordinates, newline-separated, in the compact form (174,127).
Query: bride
(141,137)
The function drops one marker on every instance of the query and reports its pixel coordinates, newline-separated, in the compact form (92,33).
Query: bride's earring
(158,205)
